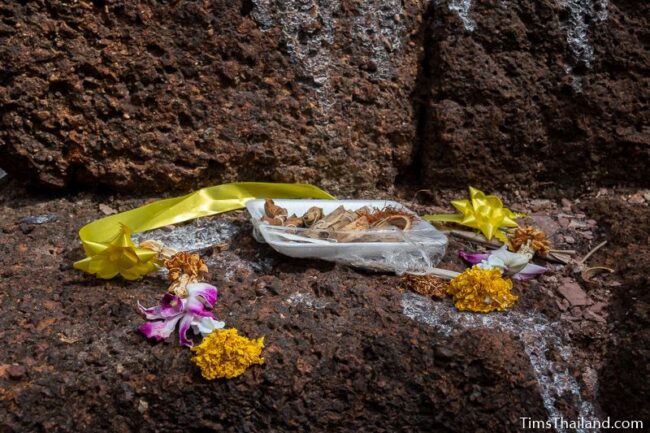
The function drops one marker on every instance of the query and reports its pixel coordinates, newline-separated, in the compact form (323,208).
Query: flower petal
(205,325)
(182,331)
(170,306)
(514,262)
(159,329)
(530,271)
(493,262)
(473,258)
(194,307)
(206,291)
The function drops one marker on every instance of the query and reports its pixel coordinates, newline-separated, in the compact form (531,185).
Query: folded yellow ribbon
(107,241)
(483,212)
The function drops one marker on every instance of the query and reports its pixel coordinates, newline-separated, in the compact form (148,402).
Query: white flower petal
(514,262)
(205,325)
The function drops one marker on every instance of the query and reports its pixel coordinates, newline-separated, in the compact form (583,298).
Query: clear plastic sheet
(416,251)
(195,235)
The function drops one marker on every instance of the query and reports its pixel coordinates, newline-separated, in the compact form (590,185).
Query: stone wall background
(351,95)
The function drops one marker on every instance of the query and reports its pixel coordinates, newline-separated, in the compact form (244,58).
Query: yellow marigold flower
(225,354)
(481,291)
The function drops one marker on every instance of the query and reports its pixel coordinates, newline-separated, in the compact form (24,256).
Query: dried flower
(376,215)
(193,311)
(531,236)
(272,210)
(185,263)
(163,252)
(425,285)
(481,290)
(225,354)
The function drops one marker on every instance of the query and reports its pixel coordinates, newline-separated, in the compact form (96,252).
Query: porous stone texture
(339,354)
(346,349)
(347,94)
(628,229)
(139,95)
(536,93)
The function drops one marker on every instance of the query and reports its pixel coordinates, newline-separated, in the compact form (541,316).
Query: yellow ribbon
(107,241)
(483,212)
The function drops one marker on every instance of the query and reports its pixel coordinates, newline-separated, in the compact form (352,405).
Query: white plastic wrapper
(415,251)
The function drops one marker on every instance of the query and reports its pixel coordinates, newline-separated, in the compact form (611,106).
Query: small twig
(470,236)
(571,252)
(415,196)
(593,250)
(444,273)
(557,258)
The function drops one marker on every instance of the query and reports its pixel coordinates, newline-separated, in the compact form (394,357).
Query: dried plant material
(400,221)
(184,269)
(589,273)
(274,221)
(185,263)
(593,251)
(342,225)
(425,285)
(272,210)
(381,214)
(565,259)
(164,253)
(474,237)
(179,286)
(293,221)
(354,230)
(312,215)
(534,238)
(339,217)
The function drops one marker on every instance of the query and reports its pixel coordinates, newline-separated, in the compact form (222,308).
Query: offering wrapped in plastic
(373,234)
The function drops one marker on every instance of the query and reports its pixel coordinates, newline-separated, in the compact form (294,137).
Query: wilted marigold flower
(481,291)
(185,263)
(225,354)
(535,238)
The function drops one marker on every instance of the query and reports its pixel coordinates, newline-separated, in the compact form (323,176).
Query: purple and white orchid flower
(515,264)
(193,311)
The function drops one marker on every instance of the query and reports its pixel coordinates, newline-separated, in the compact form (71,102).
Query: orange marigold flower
(225,354)
(481,291)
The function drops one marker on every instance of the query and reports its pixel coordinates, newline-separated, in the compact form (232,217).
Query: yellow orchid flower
(119,256)
(482,212)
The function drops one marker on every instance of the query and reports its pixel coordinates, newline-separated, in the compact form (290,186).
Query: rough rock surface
(151,95)
(351,95)
(340,355)
(537,93)
(344,349)
(628,228)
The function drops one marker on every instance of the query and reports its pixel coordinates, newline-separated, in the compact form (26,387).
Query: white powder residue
(379,28)
(581,14)
(307,300)
(308,29)
(461,7)
(535,331)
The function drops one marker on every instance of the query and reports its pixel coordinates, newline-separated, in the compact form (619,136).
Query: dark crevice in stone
(247,7)
(420,99)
